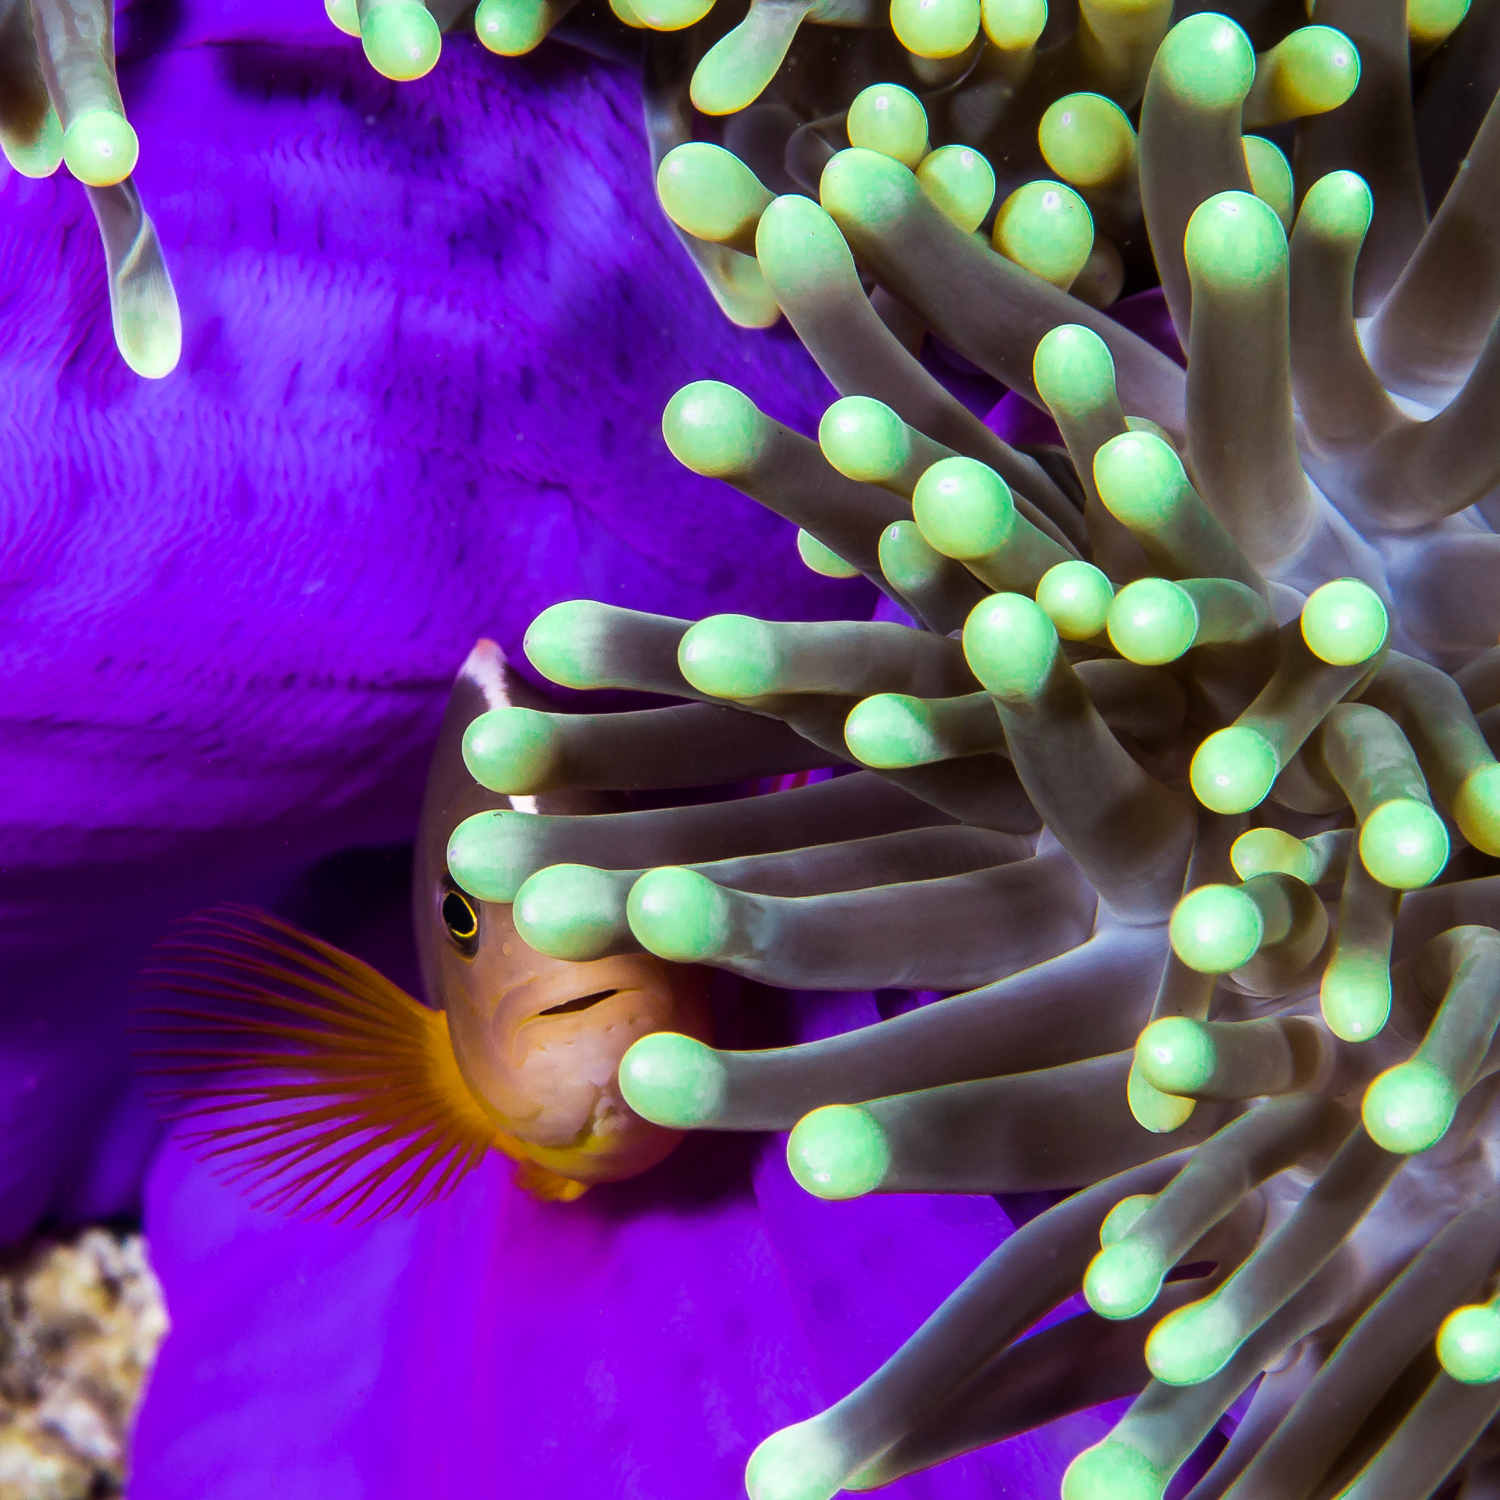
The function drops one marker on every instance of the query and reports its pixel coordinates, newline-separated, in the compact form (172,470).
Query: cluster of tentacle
(1183,787)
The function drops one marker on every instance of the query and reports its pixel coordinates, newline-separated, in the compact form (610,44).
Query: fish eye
(461,920)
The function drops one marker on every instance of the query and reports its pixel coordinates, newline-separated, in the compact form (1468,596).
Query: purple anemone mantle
(429,331)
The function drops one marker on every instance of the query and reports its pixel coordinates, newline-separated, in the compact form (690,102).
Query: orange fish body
(537,1039)
(329,1089)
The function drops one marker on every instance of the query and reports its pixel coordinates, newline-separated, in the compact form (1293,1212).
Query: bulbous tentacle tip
(1076,597)
(1073,369)
(1408,1108)
(482,860)
(1087,140)
(1476,809)
(344,14)
(1047,228)
(1206,61)
(890,119)
(1176,1054)
(1152,621)
(40,155)
(673,1080)
(1010,645)
(1153,1110)
(935,28)
(512,28)
(679,915)
(1355,997)
(1468,1344)
(963,508)
(1344,622)
(729,656)
(800,1462)
(1404,844)
(961,182)
(838,1152)
(1216,928)
(511,750)
(713,429)
(1014,26)
(822,560)
(1193,1344)
(710,193)
(1123,1279)
(401,40)
(101,148)
(1233,770)
(1235,240)
(574,912)
(1113,1471)
(864,439)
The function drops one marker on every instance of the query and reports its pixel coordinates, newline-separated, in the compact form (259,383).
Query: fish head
(537,1039)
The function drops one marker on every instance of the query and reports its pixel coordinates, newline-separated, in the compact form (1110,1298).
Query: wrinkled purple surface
(428,334)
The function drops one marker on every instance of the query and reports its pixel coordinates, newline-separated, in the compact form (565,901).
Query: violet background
(429,330)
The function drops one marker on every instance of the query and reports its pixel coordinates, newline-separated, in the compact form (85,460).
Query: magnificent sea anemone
(1185,841)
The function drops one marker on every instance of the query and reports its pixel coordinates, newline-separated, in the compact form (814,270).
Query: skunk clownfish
(312,1077)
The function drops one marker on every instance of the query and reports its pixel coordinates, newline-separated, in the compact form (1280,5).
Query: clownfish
(328,1089)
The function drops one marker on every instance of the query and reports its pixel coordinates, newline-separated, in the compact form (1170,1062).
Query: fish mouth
(583,1002)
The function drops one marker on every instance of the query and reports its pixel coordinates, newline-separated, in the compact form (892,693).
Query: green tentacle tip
(1271,178)
(1476,809)
(512,28)
(935,28)
(708,191)
(864,439)
(1403,844)
(1124,1279)
(736,69)
(1140,479)
(1429,22)
(1235,240)
(1344,622)
(1124,1216)
(1176,1054)
(511,750)
(839,1151)
(867,186)
(1207,61)
(1073,369)
(1010,645)
(1113,1471)
(797,239)
(1339,205)
(907,559)
(571,911)
(485,859)
(1152,621)
(713,429)
(401,40)
(1316,69)
(1087,139)
(1076,597)
(961,182)
(1046,227)
(1356,996)
(673,1080)
(678,915)
(671,15)
(1409,1108)
(42,156)
(963,508)
(1013,25)
(890,119)
(823,560)
(1153,1110)
(1193,1344)
(1233,770)
(1468,1344)
(1216,928)
(560,643)
(101,148)
(344,14)
(1264,851)
(797,1463)
(890,731)
(730,656)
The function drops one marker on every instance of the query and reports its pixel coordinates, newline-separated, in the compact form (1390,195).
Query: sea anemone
(1204,827)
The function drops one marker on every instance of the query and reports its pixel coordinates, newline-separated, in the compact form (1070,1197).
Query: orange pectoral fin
(311,1077)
